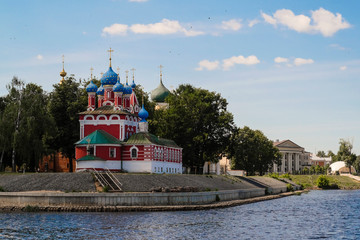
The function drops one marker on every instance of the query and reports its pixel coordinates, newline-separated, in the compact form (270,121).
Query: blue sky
(288,68)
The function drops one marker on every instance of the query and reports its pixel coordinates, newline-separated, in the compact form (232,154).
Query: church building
(114,132)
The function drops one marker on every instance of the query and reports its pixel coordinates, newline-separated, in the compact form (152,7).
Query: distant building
(319,161)
(294,157)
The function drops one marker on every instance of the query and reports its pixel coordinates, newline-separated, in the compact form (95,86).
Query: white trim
(137,152)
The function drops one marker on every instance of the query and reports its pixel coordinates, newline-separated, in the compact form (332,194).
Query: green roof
(90,158)
(148,138)
(98,137)
(160,93)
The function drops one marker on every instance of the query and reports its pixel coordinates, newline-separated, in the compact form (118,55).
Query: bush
(2,189)
(30,208)
(274,175)
(106,189)
(286,175)
(322,182)
(289,187)
(217,198)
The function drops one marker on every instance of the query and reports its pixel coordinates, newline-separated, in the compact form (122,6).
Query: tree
(66,101)
(345,154)
(198,121)
(332,155)
(321,154)
(252,151)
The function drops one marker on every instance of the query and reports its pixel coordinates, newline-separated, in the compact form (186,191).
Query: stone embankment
(224,204)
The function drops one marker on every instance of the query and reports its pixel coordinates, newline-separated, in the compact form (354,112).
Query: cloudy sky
(288,68)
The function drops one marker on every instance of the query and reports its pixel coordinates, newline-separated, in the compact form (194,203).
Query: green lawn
(309,181)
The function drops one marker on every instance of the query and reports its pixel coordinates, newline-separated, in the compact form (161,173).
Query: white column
(283,163)
(275,167)
(289,162)
(297,158)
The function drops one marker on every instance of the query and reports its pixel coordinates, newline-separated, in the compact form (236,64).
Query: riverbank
(222,204)
(309,181)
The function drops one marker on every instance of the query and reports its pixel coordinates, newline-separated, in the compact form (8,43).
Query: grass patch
(335,181)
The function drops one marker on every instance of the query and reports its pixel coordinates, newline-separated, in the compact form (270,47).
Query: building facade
(114,132)
(294,157)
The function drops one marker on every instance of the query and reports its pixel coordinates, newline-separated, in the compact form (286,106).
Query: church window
(112,152)
(155,169)
(134,153)
(161,169)
(90,150)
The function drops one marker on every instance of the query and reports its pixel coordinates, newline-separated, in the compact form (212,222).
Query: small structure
(341,168)
(319,161)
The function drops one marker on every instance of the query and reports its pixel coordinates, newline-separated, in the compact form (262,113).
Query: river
(333,214)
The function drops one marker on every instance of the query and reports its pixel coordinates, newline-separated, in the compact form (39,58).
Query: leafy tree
(345,154)
(321,154)
(253,152)
(66,101)
(198,121)
(332,155)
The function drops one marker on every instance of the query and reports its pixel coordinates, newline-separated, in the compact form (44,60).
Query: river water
(333,214)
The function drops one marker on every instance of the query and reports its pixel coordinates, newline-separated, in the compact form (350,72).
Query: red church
(114,135)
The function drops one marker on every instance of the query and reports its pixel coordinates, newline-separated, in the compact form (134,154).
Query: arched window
(134,153)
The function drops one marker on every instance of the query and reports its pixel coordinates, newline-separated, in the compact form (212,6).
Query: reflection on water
(316,215)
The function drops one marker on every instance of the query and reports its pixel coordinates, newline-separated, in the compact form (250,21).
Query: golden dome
(63,73)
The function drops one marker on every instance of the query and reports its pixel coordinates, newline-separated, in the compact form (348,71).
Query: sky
(288,68)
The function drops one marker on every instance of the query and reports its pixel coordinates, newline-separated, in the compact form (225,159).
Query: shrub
(30,208)
(286,175)
(106,189)
(274,175)
(289,187)
(322,182)
(2,189)
(217,198)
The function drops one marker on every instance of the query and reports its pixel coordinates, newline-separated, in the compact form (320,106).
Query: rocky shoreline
(222,204)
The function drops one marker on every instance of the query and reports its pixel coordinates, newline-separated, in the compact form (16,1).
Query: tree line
(35,123)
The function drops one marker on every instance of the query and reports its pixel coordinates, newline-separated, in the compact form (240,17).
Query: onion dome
(62,73)
(118,87)
(143,114)
(127,89)
(160,93)
(109,78)
(100,91)
(91,87)
(133,85)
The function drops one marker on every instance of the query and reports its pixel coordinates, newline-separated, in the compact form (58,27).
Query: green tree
(252,151)
(345,154)
(66,101)
(332,155)
(321,154)
(198,121)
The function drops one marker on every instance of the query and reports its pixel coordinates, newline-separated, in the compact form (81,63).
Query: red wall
(112,129)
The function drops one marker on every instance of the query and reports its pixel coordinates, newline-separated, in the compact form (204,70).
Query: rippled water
(316,215)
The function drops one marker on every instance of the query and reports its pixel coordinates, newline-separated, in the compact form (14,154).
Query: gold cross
(133,71)
(127,72)
(91,70)
(110,51)
(63,61)
(161,67)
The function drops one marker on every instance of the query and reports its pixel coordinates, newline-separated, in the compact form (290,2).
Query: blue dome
(118,87)
(143,114)
(127,89)
(100,91)
(109,78)
(91,87)
(133,85)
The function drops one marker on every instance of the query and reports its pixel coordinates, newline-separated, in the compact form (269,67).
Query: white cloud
(250,60)
(208,65)
(343,68)
(39,57)
(302,61)
(233,24)
(281,60)
(138,0)
(321,21)
(337,46)
(253,22)
(115,29)
(163,28)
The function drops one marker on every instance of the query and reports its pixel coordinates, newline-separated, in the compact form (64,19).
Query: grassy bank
(309,181)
